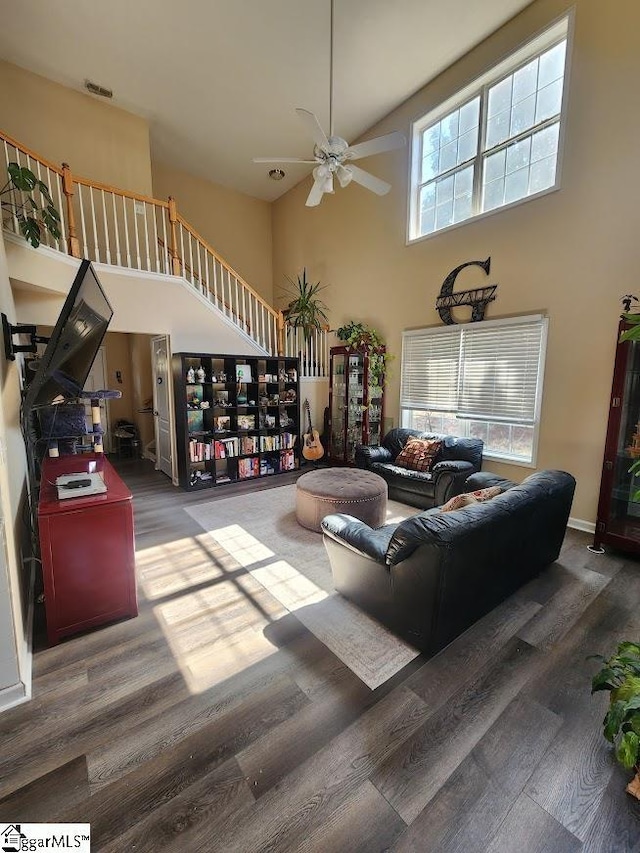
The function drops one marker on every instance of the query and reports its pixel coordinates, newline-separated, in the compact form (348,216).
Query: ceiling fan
(333,155)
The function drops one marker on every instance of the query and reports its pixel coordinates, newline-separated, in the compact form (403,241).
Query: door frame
(154,377)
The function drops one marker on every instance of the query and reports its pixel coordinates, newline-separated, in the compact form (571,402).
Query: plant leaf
(23,178)
(627,749)
(613,720)
(634,722)
(44,189)
(633,704)
(627,648)
(30,230)
(606,679)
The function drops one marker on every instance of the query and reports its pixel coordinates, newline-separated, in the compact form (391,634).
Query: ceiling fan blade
(375,146)
(313,126)
(315,196)
(281,160)
(366,179)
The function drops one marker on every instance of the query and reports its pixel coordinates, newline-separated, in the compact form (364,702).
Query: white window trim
(556,32)
(528,318)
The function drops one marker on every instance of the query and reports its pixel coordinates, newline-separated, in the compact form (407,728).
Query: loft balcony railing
(126,229)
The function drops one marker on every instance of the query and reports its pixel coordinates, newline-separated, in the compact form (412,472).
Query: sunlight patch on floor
(288,585)
(242,546)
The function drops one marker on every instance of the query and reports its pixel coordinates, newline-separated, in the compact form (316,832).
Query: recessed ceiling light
(276,174)
(95,89)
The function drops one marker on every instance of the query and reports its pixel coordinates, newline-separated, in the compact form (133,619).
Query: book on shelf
(269,442)
(199,451)
(288,440)
(226,447)
(248,444)
(248,468)
(287,460)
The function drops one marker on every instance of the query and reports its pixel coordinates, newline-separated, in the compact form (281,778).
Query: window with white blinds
(481,379)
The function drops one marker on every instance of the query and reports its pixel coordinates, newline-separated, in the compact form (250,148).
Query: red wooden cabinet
(87,549)
(618,521)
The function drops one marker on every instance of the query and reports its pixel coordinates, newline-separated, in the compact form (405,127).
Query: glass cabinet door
(339,373)
(622,517)
(355,402)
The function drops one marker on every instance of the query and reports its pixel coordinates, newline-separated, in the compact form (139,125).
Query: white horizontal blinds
(500,372)
(430,369)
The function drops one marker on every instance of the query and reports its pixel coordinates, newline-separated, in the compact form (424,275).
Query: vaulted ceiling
(219,80)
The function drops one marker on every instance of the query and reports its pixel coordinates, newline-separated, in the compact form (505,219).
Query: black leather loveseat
(433,575)
(457,459)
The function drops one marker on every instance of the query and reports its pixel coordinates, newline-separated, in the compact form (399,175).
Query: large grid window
(482,380)
(494,143)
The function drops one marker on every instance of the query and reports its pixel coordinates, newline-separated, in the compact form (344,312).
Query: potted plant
(306,310)
(363,337)
(620,674)
(28,199)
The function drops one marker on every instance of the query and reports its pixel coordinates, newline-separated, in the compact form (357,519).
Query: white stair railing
(126,229)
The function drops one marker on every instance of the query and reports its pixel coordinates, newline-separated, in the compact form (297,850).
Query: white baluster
(154,213)
(85,248)
(202,284)
(193,272)
(106,228)
(134,219)
(215,282)
(95,228)
(166,262)
(9,159)
(62,243)
(116,229)
(182,257)
(146,234)
(126,231)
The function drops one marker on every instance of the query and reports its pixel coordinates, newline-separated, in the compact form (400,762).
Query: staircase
(130,231)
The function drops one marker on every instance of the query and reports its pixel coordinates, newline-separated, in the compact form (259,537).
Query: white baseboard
(14,695)
(579,524)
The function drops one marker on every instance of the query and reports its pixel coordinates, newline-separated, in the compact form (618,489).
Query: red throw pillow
(418,454)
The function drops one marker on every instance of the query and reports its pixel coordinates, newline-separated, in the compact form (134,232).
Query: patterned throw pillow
(418,454)
(480,495)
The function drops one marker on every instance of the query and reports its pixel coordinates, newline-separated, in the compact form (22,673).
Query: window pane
(549,101)
(516,185)
(518,155)
(448,156)
(498,129)
(552,64)
(470,115)
(430,166)
(449,127)
(462,208)
(500,97)
(463,182)
(431,139)
(525,82)
(444,214)
(545,142)
(494,166)
(444,190)
(543,174)
(468,146)
(493,195)
(427,208)
(523,115)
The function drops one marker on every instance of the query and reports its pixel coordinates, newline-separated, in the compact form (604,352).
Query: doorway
(162,403)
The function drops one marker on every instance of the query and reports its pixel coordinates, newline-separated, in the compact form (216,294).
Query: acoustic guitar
(312,448)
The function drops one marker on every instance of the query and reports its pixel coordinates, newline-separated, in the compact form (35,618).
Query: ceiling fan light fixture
(345,175)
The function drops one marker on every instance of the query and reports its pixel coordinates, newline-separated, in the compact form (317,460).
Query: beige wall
(237,226)
(98,140)
(570,254)
(117,353)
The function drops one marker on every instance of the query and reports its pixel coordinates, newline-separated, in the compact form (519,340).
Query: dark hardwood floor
(211,723)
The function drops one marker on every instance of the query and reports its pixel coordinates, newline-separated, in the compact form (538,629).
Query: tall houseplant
(620,675)
(28,199)
(305,310)
(363,337)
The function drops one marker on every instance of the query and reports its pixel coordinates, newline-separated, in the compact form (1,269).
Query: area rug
(261,533)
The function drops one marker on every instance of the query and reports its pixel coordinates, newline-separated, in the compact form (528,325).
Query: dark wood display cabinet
(618,521)
(237,417)
(356,404)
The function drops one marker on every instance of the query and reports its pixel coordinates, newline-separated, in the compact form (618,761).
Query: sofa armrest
(485,479)
(355,534)
(449,479)
(366,455)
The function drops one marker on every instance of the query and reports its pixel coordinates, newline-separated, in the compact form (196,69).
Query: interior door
(162,403)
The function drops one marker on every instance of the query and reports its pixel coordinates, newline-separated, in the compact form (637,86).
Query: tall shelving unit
(356,404)
(618,520)
(237,417)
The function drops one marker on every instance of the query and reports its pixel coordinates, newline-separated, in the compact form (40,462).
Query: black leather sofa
(433,575)
(457,459)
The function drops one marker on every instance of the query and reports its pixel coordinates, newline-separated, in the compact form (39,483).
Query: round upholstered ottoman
(350,490)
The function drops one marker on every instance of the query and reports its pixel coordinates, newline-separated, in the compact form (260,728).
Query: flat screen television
(65,364)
